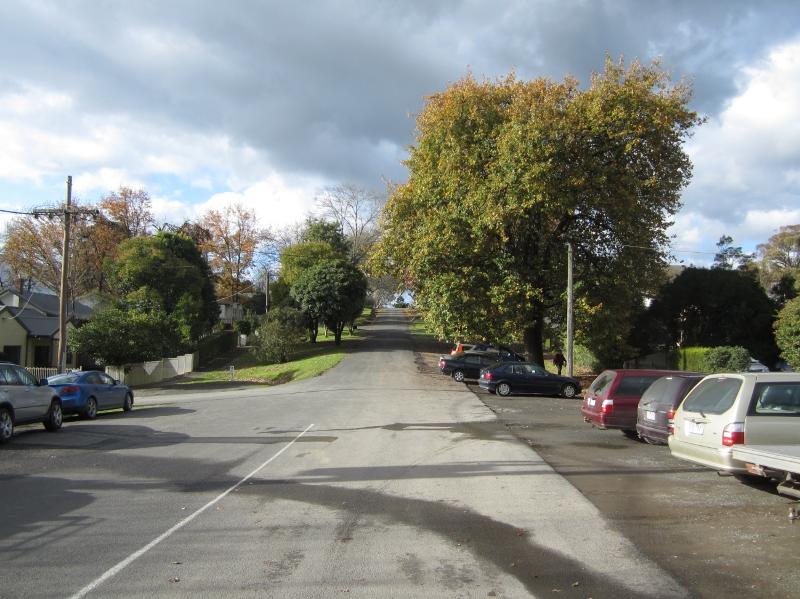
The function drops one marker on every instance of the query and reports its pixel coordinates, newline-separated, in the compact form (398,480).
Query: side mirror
(116,381)
(43,382)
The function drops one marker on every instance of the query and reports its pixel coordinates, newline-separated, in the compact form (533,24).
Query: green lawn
(311,360)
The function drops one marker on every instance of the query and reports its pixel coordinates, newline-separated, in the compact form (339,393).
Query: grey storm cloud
(330,88)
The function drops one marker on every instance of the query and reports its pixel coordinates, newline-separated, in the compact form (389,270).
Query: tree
(117,336)
(780,264)
(787,332)
(731,257)
(166,272)
(355,211)
(231,248)
(33,248)
(331,292)
(715,307)
(131,209)
(504,173)
(280,334)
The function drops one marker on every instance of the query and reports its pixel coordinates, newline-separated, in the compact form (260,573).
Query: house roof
(49,304)
(37,324)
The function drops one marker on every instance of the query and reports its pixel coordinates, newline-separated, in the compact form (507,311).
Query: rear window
(61,379)
(664,389)
(713,396)
(601,383)
(776,399)
(635,385)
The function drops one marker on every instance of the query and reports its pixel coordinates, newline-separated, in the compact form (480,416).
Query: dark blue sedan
(87,393)
(505,379)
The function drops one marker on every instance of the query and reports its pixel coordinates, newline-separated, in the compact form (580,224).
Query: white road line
(134,556)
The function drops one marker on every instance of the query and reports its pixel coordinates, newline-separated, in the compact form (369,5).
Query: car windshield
(61,379)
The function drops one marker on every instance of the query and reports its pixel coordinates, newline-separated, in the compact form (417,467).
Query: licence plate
(692,427)
(650,415)
(590,402)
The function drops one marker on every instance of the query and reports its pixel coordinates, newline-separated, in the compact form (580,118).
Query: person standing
(559,360)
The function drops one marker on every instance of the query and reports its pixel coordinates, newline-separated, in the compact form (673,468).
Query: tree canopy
(787,332)
(504,173)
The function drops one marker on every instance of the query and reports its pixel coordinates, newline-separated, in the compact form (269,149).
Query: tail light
(733,434)
(607,406)
(671,421)
(69,389)
(441,364)
(487,375)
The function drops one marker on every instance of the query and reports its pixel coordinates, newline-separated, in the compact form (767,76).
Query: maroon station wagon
(613,397)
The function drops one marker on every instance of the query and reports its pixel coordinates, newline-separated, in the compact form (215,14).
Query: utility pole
(266,292)
(570,322)
(66,212)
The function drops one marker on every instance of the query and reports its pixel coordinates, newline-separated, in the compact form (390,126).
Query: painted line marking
(137,554)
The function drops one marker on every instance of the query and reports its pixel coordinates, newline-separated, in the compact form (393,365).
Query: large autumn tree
(233,238)
(504,173)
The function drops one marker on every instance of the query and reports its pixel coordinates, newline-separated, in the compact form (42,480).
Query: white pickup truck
(781,462)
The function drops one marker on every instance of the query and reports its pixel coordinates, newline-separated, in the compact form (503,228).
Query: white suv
(725,410)
(23,401)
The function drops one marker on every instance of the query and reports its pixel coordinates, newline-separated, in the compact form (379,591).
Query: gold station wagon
(726,410)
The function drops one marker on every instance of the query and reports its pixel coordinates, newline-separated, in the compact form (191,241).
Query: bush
(215,345)
(244,327)
(280,334)
(692,359)
(787,332)
(726,359)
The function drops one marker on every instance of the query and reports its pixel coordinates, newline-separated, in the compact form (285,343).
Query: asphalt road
(373,480)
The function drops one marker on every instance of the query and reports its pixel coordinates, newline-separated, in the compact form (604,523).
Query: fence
(146,373)
(40,372)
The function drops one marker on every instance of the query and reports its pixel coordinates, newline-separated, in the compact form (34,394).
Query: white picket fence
(41,372)
(146,373)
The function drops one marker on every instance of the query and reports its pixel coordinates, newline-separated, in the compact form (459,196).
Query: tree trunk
(337,333)
(312,331)
(532,338)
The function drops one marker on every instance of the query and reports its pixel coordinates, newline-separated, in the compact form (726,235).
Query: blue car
(87,393)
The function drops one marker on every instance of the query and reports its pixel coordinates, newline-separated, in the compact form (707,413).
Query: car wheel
(631,434)
(569,390)
(6,425)
(458,376)
(90,411)
(54,417)
(127,405)
(504,389)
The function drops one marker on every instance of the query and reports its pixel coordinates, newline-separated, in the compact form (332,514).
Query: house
(29,327)
(230,311)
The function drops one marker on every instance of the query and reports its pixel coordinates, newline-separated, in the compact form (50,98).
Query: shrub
(244,327)
(215,345)
(280,334)
(692,359)
(787,332)
(726,359)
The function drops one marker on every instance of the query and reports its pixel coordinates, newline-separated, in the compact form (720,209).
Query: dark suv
(23,401)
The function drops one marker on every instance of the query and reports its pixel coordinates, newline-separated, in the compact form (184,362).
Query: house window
(12,353)
(41,356)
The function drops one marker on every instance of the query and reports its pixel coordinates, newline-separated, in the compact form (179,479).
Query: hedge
(215,345)
(691,359)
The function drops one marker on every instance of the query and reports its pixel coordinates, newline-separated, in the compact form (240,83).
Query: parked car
(612,399)
(756,366)
(89,392)
(466,365)
(502,351)
(515,377)
(24,401)
(726,410)
(461,347)
(658,404)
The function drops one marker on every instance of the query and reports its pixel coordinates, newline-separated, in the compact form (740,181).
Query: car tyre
(569,390)
(90,411)
(504,389)
(6,425)
(127,405)
(55,416)
(458,376)
(651,441)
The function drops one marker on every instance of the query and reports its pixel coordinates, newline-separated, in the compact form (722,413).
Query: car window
(105,379)
(519,369)
(62,379)
(538,370)
(664,388)
(92,379)
(776,399)
(602,382)
(472,359)
(713,396)
(635,384)
(25,377)
(8,375)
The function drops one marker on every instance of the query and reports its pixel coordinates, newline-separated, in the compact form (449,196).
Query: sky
(268,103)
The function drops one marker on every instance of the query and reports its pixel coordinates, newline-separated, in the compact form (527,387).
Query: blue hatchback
(87,393)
